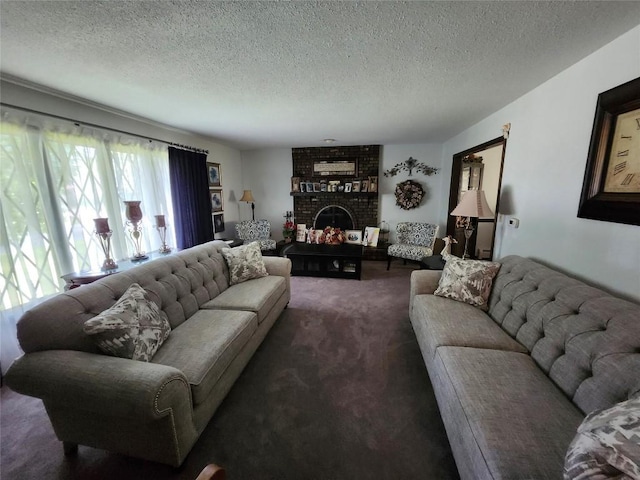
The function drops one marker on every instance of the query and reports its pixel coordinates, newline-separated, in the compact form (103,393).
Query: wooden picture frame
(356,186)
(335,168)
(295,184)
(373,183)
(214,174)
(218,222)
(216,200)
(364,186)
(611,186)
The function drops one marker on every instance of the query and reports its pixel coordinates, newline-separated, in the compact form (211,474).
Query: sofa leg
(388,262)
(70,448)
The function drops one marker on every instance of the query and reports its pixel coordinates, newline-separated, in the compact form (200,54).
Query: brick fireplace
(360,208)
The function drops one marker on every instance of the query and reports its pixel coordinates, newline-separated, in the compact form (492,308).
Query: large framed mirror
(478,168)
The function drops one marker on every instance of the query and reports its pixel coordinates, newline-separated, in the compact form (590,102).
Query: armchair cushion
(134,327)
(410,252)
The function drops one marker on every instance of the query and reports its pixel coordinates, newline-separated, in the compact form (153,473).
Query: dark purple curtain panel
(190,194)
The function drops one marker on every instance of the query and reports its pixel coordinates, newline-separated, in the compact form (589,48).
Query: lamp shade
(247,197)
(473,204)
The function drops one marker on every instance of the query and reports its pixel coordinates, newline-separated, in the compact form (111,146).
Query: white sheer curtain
(54,180)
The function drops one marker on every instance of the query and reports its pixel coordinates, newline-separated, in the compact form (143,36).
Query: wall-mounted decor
(213,170)
(346,168)
(218,222)
(409,194)
(216,200)
(611,187)
(409,166)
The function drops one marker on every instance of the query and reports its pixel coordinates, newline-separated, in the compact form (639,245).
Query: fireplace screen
(334,216)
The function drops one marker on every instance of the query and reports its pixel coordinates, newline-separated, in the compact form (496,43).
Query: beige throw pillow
(467,281)
(134,327)
(607,444)
(244,262)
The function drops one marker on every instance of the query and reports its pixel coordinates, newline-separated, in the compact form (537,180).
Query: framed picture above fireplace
(335,168)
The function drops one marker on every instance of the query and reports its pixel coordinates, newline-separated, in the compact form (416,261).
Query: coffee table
(334,261)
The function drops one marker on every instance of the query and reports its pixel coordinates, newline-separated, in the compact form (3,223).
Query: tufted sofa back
(585,340)
(178,283)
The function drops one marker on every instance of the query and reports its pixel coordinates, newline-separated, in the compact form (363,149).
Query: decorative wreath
(409,194)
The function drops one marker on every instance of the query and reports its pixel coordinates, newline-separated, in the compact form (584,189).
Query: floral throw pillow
(244,262)
(134,327)
(607,444)
(467,281)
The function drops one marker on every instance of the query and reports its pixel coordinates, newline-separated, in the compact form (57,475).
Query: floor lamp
(248,197)
(473,204)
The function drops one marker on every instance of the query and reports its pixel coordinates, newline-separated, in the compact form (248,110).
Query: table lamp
(473,204)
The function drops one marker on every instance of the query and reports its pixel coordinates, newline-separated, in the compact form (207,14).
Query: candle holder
(104,237)
(133,212)
(161,226)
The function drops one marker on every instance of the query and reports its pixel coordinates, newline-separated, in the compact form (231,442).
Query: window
(53,183)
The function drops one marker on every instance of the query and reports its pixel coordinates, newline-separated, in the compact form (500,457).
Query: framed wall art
(611,186)
(218,222)
(216,200)
(213,171)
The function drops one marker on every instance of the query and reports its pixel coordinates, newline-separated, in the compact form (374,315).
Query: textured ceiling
(287,74)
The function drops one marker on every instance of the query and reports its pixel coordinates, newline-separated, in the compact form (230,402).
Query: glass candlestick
(104,237)
(133,212)
(161,226)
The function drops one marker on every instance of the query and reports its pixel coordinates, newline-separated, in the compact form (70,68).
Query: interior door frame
(456,171)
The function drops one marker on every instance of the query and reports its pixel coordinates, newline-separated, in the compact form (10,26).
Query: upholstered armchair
(414,241)
(256,230)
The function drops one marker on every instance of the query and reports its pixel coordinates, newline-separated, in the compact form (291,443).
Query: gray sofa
(152,410)
(514,383)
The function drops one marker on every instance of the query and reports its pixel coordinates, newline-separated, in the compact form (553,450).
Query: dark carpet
(338,390)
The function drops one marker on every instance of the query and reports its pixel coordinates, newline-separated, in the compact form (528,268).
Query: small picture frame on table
(364,187)
(295,184)
(213,171)
(347,187)
(356,186)
(216,200)
(371,235)
(218,222)
(353,236)
(301,232)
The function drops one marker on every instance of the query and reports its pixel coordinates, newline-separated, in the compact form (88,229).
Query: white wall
(229,158)
(544,169)
(434,185)
(267,173)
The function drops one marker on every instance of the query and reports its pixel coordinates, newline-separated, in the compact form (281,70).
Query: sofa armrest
(113,386)
(279,266)
(423,282)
